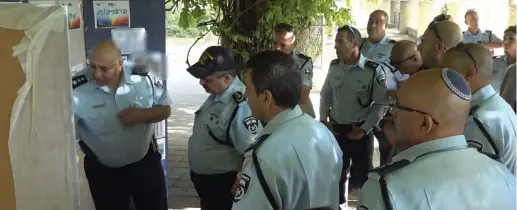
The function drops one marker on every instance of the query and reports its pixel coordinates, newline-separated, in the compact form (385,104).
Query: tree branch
(174,6)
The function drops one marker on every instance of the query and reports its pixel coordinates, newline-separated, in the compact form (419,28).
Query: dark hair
(277,73)
(284,27)
(353,33)
(384,14)
(511,29)
(442,17)
(470,11)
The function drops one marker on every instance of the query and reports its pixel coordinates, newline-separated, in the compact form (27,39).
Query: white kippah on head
(456,83)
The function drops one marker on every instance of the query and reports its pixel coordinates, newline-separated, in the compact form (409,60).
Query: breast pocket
(336,82)
(141,97)
(214,123)
(101,120)
(361,88)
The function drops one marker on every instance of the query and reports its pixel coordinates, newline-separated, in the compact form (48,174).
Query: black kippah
(456,83)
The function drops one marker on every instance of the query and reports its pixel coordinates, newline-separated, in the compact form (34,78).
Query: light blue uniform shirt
(500,69)
(96,109)
(300,161)
(441,174)
(345,84)
(207,155)
(498,118)
(380,53)
(483,36)
(508,86)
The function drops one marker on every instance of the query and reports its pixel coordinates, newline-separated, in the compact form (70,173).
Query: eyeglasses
(464,47)
(397,64)
(394,105)
(432,26)
(348,28)
(91,64)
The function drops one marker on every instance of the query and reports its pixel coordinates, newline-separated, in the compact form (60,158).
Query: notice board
(11,81)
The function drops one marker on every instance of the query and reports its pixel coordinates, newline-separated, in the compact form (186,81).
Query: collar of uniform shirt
(125,79)
(430,146)
(481,95)
(225,97)
(384,39)
(480,31)
(280,118)
(359,63)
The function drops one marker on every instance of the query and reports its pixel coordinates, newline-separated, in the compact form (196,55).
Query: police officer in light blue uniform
(502,63)
(114,110)
(475,35)
(296,162)
(491,125)
(436,160)
(348,99)
(223,129)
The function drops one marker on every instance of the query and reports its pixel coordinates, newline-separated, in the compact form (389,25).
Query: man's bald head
(438,38)
(437,105)
(405,56)
(473,61)
(105,50)
(106,63)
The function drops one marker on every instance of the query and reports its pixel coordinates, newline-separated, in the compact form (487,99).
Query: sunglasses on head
(349,28)
(432,27)
(462,46)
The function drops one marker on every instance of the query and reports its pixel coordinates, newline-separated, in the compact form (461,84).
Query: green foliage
(445,9)
(246,26)
(173,29)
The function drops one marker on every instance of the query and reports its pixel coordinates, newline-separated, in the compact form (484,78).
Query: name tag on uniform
(99,105)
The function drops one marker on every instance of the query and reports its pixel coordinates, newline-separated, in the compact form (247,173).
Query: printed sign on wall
(111,14)
(74,16)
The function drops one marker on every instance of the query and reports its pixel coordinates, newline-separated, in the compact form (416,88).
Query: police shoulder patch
(251,124)
(238,97)
(363,207)
(381,80)
(79,80)
(334,62)
(244,185)
(371,64)
(475,144)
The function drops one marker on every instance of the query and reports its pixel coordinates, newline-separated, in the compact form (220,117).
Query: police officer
(406,58)
(296,162)
(491,125)
(475,35)
(438,38)
(352,85)
(223,129)
(284,39)
(503,62)
(431,111)
(438,18)
(114,110)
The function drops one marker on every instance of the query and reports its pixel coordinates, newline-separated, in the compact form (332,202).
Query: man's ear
(440,46)
(267,97)
(471,73)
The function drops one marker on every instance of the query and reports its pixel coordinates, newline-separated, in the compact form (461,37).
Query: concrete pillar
(395,13)
(386,6)
(409,10)
(512,13)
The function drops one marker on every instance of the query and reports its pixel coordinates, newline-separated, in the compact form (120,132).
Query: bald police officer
(115,110)
(437,39)
(503,62)
(406,58)
(296,163)
(352,86)
(431,111)
(475,35)
(491,125)
(285,39)
(223,129)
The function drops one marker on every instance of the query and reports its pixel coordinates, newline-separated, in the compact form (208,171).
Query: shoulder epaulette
(390,67)
(488,31)
(334,62)
(238,97)
(79,80)
(258,142)
(392,41)
(371,64)
(390,167)
(139,73)
(304,56)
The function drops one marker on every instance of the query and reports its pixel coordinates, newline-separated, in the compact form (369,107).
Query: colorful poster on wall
(74,17)
(111,14)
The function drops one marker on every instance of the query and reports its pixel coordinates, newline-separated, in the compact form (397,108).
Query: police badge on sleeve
(251,124)
(244,185)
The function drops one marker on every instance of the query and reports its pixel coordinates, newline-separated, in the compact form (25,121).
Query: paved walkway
(187,96)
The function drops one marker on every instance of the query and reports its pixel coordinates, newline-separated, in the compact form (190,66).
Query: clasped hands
(131,116)
(355,134)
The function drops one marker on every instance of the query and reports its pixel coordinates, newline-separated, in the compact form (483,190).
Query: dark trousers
(359,151)
(385,148)
(215,190)
(112,188)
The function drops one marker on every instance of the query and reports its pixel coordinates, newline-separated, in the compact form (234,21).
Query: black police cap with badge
(214,59)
